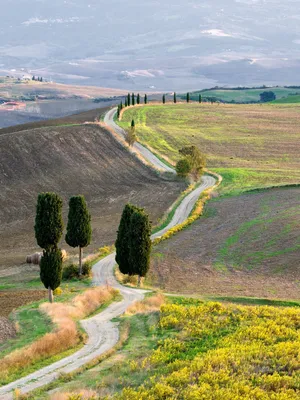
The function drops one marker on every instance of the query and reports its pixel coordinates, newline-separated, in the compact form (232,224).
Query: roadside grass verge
(66,337)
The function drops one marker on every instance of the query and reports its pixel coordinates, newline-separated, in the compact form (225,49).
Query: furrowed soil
(249,145)
(72,160)
(248,245)
(12,299)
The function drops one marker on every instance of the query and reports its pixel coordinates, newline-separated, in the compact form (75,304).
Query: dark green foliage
(183,167)
(139,243)
(267,96)
(51,268)
(138,99)
(132,124)
(71,271)
(128,99)
(164,99)
(175,97)
(187,97)
(118,111)
(146,99)
(121,105)
(133,99)
(196,159)
(79,231)
(48,221)
(126,102)
(200,98)
(122,242)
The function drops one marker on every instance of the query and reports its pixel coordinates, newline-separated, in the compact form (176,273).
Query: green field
(241,96)
(287,100)
(251,146)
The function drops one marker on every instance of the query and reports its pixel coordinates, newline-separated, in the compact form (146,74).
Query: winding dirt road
(103,334)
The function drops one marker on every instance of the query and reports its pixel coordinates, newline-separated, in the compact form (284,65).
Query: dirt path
(102,333)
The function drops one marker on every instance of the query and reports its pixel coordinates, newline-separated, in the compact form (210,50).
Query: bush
(71,271)
(183,167)
(86,268)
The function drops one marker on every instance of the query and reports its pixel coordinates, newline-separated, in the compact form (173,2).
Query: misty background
(161,45)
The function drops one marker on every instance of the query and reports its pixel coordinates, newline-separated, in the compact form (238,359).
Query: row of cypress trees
(133,244)
(48,232)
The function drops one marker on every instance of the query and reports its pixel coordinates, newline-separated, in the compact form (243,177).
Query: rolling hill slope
(70,160)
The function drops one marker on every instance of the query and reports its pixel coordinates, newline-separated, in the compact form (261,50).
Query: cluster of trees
(188,98)
(39,79)
(131,100)
(48,232)
(267,96)
(133,244)
(192,162)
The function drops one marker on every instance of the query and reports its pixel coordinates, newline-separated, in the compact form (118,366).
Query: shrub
(183,167)
(87,268)
(70,271)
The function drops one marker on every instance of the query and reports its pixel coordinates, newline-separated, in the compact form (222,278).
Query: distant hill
(242,95)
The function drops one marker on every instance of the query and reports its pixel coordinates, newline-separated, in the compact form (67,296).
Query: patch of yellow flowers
(254,355)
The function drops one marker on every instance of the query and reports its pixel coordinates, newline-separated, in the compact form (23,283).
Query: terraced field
(70,160)
(249,145)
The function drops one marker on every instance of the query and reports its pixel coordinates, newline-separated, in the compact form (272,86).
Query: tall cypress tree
(51,270)
(48,221)
(175,98)
(79,230)
(146,99)
(48,231)
(138,99)
(139,244)
(122,242)
(132,124)
(200,98)
(118,111)
(133,99)
(188,97)
(128,99)
(126,102)
(121,105)
(164,99)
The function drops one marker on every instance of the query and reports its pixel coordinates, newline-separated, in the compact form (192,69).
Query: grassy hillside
(71,160)
(247,245)
(242,96)
(193,350)
(287,100)
(250,145)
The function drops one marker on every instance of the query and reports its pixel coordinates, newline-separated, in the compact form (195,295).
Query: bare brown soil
(7,329)
(80,118)
(247,245)
(11,299)
(72,160)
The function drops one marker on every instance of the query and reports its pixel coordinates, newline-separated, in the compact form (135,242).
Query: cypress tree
(146,99)
(200,98)
(175,98)
(118,111)
(51,270)
(133,99)
(128,99)
(79,231)
(121,105)
(164,99)
(132,124)
(126,103)
(48,221)
(187,97)
(122,242)
(139,243)
(138,100)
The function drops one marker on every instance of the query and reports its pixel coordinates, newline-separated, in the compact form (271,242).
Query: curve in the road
(102,333)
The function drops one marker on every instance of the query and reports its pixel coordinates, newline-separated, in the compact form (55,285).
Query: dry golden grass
(147,305)
(79,395)
(65,335)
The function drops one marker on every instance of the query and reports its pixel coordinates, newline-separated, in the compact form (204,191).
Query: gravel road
(102,333)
